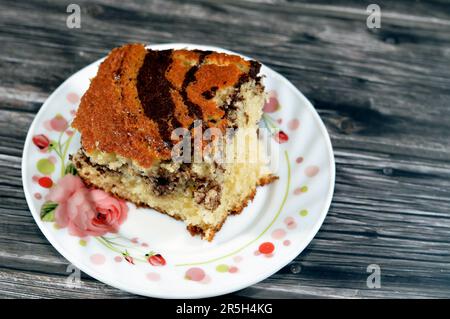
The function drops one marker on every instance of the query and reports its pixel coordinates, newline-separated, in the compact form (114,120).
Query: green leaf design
(48,211)
(70,169)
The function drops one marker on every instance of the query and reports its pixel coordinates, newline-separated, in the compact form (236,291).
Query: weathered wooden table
(384,95)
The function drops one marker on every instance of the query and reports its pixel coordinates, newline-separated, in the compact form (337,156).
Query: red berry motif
(41,141)
(266,248)
(45,182)
(127,257)
(155,259)
(281,137)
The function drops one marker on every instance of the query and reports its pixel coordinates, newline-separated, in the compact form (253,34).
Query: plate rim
(287,257)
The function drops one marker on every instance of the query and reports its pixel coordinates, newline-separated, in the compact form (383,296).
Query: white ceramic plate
(275,228)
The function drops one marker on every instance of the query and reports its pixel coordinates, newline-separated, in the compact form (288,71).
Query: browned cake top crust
(139,96)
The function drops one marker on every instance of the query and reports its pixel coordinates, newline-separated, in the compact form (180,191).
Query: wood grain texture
(383,94)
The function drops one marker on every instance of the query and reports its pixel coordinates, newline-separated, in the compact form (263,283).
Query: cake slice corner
(126,119)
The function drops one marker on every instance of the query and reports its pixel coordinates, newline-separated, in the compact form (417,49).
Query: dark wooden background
(383,94)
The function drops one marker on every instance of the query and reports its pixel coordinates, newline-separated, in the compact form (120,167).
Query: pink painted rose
(86,212)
